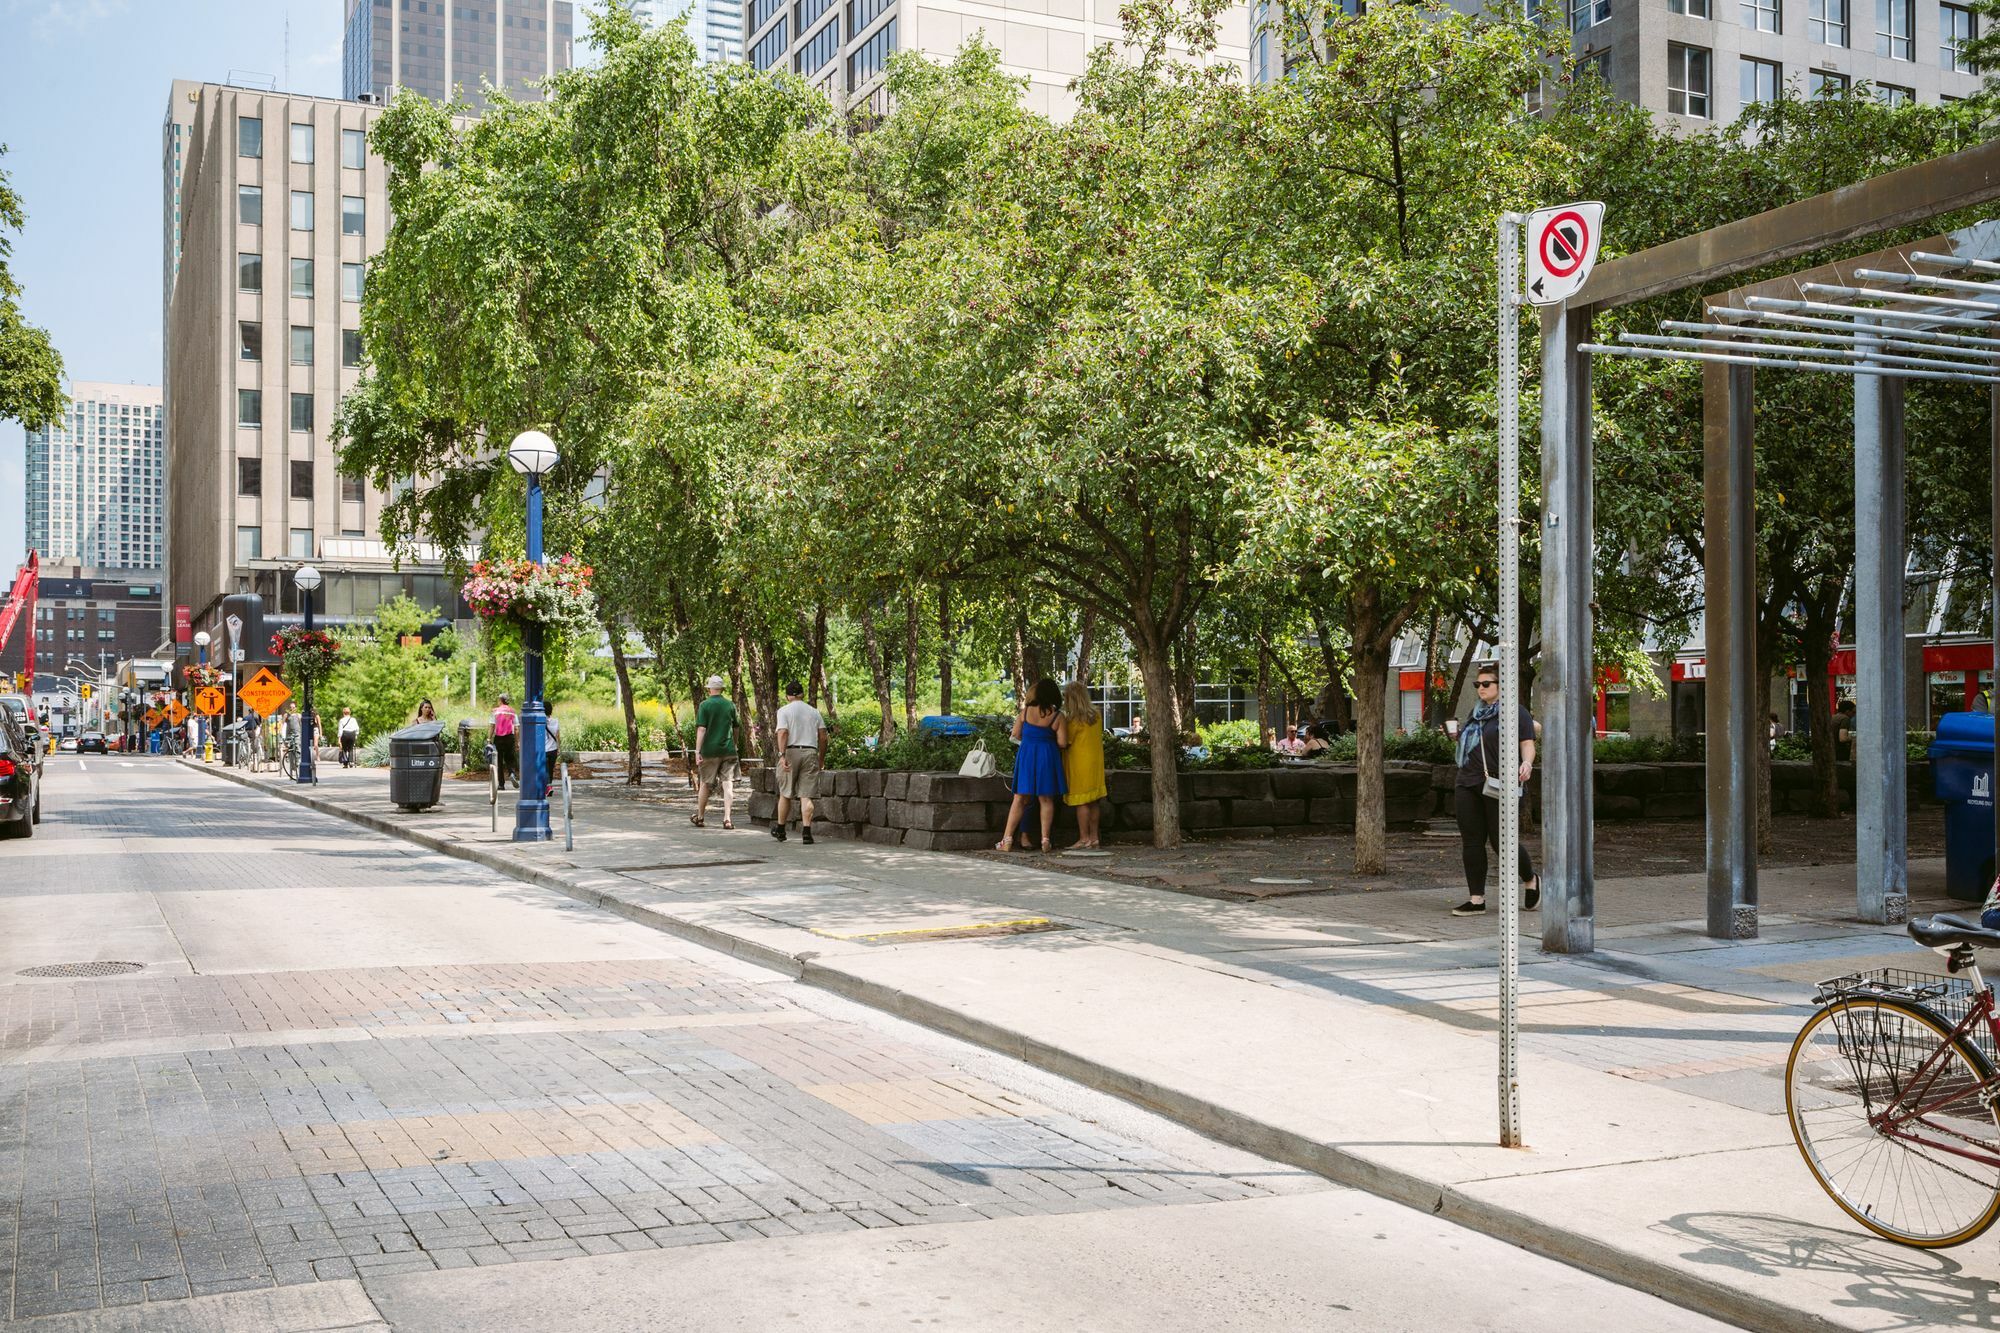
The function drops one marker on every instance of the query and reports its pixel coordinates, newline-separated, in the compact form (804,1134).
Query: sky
(83,91)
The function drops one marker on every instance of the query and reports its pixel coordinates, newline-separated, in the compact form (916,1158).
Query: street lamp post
(532,454)
(307,579)
(201,656)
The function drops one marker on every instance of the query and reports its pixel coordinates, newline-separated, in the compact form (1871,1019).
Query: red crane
(21,606)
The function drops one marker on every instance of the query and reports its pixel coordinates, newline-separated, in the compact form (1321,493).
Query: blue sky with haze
(83,90)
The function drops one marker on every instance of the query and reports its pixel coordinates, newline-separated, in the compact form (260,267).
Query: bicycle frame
(1908,1109)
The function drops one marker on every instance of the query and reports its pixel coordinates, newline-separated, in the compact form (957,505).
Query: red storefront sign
(183,625)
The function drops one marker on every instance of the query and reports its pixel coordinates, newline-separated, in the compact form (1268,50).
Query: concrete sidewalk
(1351,1034)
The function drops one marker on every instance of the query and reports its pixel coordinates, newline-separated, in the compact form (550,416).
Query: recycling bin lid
(947,724)
(430,731)
(1963,734)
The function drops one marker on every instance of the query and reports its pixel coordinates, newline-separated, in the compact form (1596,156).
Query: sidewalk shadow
(1909,1288)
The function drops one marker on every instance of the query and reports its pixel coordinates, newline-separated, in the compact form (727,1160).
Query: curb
(1599,1257)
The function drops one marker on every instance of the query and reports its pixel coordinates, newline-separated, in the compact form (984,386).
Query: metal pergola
(1927,311)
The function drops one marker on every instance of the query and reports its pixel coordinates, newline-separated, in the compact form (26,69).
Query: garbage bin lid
(947,724)
(422,731)
(1963,734)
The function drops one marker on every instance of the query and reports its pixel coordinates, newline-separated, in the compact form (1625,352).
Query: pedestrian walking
(1843,732)
(1083,761)
(801,757)
(715,754)
(1478,811)
(347,731)
(551,745)
(506,754)
(1040,732)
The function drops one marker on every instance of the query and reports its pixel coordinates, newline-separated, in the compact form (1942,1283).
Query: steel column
(1881,880)
(1729,578)
(1993,432)
(1565,679)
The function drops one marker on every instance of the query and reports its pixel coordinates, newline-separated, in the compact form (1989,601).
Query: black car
(20,781)
(92,742)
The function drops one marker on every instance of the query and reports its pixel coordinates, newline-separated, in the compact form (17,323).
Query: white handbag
(978,762)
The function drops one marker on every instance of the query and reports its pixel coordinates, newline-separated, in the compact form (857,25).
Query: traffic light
(87,687)
(20,682)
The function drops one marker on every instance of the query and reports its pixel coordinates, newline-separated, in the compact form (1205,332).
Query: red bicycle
(1891,1091)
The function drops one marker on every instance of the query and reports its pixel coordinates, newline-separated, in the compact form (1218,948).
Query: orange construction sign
(209,701)
(264,692)
(153,718)
(177,712)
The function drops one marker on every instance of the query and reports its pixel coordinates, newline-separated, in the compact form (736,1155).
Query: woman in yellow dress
(1083,761)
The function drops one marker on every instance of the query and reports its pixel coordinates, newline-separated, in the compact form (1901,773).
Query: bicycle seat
(1942,931)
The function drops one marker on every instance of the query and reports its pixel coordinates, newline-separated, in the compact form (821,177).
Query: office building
(94,480)
(86,621)
(281,205)
(844,48)
(442,48)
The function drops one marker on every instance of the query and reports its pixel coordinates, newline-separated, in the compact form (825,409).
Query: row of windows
(761,12)
(861,13)
(1689,83)
(250,410)
(48,636)
(250,210)
(104,613)
(250,344)
(250,143)
(250,480)
(250,276)
(821,47)
(1828,24)
(872,57)
(771,49)
(807,12)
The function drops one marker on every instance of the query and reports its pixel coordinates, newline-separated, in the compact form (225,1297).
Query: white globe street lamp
(532,453)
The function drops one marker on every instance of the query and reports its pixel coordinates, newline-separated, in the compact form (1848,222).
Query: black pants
(507,756)
(1479,825)
(347,752)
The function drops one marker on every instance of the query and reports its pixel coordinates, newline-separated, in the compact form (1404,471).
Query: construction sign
(264,692)
(177,712)
(153,718)
(209,701)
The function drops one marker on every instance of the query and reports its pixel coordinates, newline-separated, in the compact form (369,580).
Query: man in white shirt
(801,755)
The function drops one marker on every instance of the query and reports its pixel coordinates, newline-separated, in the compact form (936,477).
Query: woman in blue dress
(1039,730)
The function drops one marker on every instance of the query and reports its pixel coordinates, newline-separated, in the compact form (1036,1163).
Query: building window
(250,205)
(1826,22)
(249,340)
(353,149)
(1826,83)
(1759,15)
(250,407)
(302,411)
(1763,80)
(350,347)
(1955,29)
(1687,81)
(1894,20)
(771,49)
(302,277)
(1890,94)
(302,143)
(1694,9)
(302,210)
(302,345)
(301,546)
(249,273)
(249,545)
(249,476)
(761,12)
(1585,13)
(861,13)
(873,56)
(350,282)
(352,489)
(302,479)
(1599,64)
(353,216)
(249,136)
(819,49)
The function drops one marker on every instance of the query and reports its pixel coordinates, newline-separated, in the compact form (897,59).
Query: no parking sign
(1562,248)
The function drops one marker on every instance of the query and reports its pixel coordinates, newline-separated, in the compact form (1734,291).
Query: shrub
(1238,734)
(1428,744)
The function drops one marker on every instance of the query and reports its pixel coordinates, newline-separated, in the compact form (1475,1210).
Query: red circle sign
(1562,253)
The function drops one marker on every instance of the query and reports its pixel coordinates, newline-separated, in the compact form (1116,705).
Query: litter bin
(416,766)
(1962,777)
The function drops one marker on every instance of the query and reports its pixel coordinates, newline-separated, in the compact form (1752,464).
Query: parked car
(67,745)
(20,780)
(22,711)
(92,742)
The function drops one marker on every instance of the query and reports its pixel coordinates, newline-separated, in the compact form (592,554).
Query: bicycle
(1891,1090)
(288,756)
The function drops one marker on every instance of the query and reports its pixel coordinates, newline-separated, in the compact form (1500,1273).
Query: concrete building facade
(95,480)
(441,48)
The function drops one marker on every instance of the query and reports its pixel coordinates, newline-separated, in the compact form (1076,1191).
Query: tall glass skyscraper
(437,47)
(95,491)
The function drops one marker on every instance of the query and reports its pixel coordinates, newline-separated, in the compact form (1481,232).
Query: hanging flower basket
(555,595)
(309,655)
(203,677)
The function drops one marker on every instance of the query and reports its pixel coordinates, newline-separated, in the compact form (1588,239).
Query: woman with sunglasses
(1478,813)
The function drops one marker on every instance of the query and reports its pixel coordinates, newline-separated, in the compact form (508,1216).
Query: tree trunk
(1156,669)
(1826,776)
(878,669)
(1464,669)
(1084,643)
(1264,709)
(1341,711)
(1020,663)
(631,707)
(944,649)
(910,659)
(816,671)
(737,696)
(1428,699)
(1184,680)
(1370,651)
(764,680)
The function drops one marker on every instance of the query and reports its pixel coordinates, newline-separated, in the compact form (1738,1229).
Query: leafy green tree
(31,371)
(379,677)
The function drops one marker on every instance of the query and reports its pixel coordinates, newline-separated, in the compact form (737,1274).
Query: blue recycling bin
(1962,777)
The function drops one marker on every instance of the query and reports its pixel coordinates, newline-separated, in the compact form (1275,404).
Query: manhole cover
(80,970)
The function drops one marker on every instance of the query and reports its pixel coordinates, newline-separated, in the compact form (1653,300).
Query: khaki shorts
(799,778)
(720,768)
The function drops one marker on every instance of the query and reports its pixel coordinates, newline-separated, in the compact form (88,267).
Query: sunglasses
(1488,684)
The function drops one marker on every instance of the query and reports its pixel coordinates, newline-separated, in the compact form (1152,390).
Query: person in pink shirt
(507,742)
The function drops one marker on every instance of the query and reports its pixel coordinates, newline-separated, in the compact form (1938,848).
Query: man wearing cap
(715,754)
(801,755)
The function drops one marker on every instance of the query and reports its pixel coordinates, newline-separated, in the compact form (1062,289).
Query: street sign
(209,701)
(177,712)
(153,718)
(1562,248)
(235,624)
(237,654)
(264,692)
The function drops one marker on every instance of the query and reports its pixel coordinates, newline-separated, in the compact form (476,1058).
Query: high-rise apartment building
(714,26)
(843,46)
(281,205)
(438,48)
(94,480)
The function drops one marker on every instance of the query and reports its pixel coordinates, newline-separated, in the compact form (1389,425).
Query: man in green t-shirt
(715,754)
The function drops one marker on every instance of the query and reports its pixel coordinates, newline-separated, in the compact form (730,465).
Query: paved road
(353,1084)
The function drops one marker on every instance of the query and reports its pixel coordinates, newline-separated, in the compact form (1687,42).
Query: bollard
(569,844)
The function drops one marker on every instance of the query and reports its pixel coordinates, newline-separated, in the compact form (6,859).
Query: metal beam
(1777,363)
(1881,881)
(1729,577)
(1565,680)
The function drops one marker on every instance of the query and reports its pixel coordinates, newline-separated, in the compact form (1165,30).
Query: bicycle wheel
(1860,1059)
(288,761)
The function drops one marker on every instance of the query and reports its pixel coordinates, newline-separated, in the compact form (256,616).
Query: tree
(31,371)
(381,679)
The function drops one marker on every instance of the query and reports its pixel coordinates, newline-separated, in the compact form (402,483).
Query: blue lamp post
(307,579)
(201,648)
(532,454)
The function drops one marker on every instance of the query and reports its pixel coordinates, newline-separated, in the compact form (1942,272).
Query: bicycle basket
(1950,998)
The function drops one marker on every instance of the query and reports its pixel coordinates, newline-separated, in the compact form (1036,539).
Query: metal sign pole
(1508,889)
